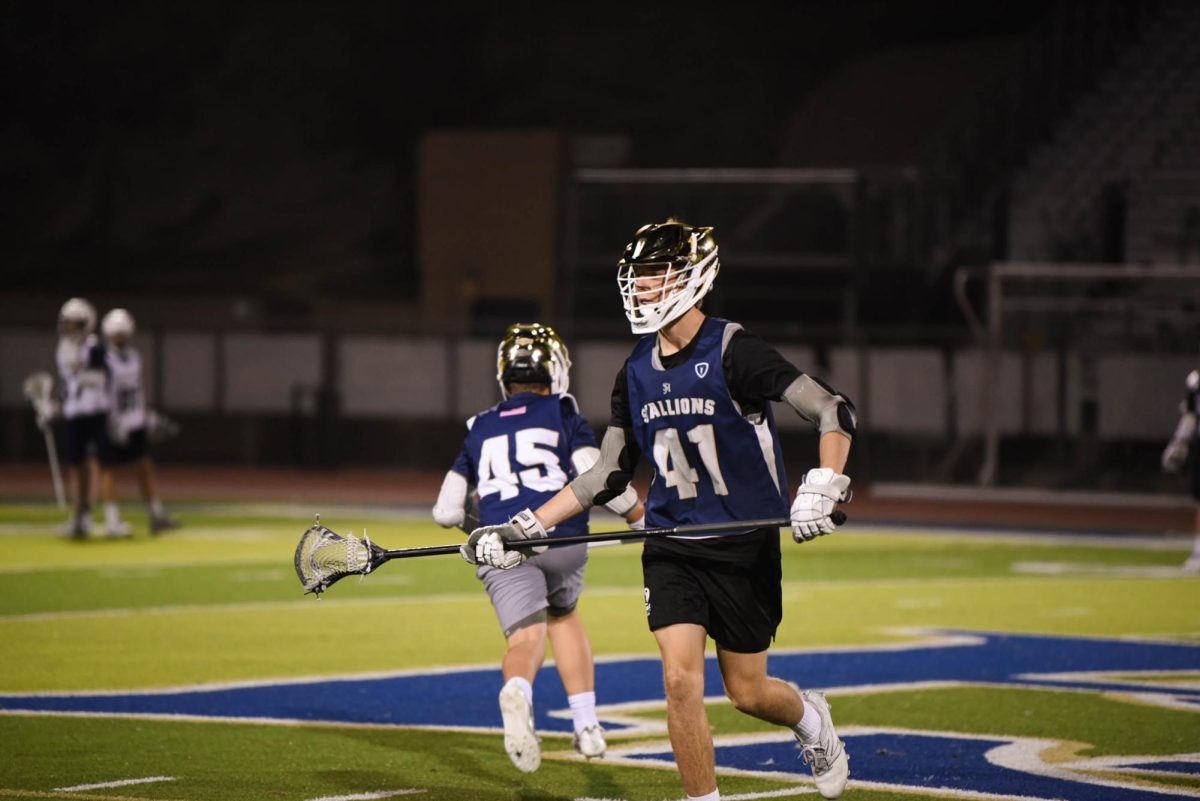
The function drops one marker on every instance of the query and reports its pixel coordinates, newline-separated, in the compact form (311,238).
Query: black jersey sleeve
(621,417)
(755,371)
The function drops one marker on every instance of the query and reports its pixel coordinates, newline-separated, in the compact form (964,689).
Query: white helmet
(531,353)
(116,323)
(686,258)
(76,318)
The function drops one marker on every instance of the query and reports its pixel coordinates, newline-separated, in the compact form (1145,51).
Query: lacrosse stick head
(38,387)
(324,556)
(39,390)
(159,427)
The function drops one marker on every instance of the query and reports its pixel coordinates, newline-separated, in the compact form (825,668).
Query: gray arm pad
(828,410)
(595,481)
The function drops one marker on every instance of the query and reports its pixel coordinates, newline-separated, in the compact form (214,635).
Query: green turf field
(218,602)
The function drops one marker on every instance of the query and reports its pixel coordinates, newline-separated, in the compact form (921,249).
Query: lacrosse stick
(324,556)
(159,427)
(39,389)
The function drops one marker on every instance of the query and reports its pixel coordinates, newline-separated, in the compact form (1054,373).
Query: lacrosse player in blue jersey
(518,454)
(694,395)
(1176,454)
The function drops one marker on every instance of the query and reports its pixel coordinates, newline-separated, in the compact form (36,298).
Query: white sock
(112,515)
(715,795)
(583,709)
(526,687)
(156,509)
(810,725)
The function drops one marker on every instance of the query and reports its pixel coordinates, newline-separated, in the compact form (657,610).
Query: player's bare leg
(524,657)
(572,653)
(80,476)
(1192,565)
(755,693)
(573,657)
(526,652)
(113,524)
(682,649)
(148,485)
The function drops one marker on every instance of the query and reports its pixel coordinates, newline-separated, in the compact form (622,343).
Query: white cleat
(1192,565)
(120,531)
(589,741)
(827,755)
(520,739)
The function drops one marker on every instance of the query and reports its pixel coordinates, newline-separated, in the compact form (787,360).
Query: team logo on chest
(666,387)
(702,369)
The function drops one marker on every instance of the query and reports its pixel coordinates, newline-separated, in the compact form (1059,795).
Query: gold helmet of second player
(666,270)
(531,353)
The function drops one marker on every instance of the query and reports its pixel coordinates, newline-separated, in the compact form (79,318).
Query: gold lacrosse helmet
(683,256)
(531,353)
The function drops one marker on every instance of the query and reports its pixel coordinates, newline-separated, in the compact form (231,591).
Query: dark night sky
(189,140)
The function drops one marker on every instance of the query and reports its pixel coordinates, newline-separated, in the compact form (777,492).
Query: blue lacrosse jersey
(711,464)
(518,456)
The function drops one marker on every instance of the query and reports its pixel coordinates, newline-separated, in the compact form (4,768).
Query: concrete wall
(922,392)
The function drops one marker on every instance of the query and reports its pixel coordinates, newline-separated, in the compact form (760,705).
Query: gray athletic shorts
(547,584)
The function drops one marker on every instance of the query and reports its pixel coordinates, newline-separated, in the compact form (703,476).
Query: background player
(127,442)
(518,454)
(694,395)
(80,363)
(1176,454)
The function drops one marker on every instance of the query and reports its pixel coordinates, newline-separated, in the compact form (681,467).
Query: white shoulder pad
(567,396)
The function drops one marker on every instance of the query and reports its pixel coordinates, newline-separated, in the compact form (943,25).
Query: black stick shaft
(632,535)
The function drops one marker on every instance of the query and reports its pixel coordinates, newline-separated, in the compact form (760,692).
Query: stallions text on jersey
(711,464)
(125,385)
(518,454)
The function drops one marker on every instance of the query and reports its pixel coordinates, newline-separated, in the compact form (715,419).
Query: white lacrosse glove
(815,499)
(486,545)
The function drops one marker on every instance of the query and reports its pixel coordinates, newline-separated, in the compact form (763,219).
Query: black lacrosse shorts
(729,585)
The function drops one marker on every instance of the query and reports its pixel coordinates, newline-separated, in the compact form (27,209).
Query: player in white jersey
(127,441)
(1183,443)
(84,405)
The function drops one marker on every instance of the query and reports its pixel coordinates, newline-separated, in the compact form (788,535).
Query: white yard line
(118,783)
(369,796)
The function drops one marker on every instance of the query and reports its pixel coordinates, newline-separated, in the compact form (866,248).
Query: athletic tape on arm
(819,404)
(605,480)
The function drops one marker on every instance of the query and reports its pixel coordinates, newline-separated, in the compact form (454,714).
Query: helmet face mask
(532,353)
(664,272)
(76,319)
